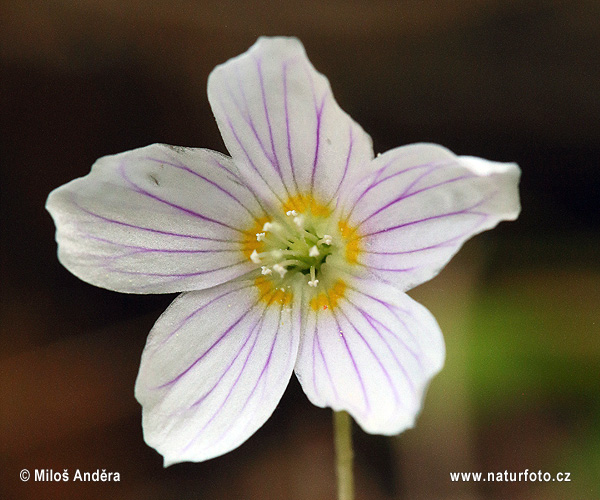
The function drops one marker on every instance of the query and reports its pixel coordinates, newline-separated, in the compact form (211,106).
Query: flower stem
(344,455)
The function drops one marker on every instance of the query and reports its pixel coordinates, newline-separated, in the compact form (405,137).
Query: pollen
(302,204)
(352,242)
(250,242)
(271,295)
(299,221)
(279,269)
(329,299)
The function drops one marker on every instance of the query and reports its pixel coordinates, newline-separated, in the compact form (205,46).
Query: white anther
(265,270)
(277,254)
(313,252)
(299,221)
(327,239)
(313,283)
(291,212)
(267,226)
(278,268)
(260,236)
(254,257)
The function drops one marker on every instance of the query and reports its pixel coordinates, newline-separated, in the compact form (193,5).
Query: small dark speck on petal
(177,149)
(154,179)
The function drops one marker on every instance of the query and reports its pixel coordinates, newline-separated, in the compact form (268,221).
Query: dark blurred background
(506,80)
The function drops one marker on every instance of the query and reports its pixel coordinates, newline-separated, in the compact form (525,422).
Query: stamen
(327,239)
(291,262)
(278,268)
(282,238)
(291,246)
(299,221)
(309,236)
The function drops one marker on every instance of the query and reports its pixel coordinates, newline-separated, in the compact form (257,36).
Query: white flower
(345,233)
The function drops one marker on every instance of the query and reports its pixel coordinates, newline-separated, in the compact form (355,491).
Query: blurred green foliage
(533,361)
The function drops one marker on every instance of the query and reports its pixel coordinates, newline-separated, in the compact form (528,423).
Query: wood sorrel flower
(292,255)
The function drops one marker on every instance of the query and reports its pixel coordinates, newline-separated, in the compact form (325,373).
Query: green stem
(344,455)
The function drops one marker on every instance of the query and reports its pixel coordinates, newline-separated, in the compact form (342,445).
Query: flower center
(290,246)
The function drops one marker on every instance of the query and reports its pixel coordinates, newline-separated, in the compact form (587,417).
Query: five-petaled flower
(293,255)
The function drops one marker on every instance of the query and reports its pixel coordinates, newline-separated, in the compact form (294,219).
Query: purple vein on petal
(199,358)
(175,275)
(275,160)
(284,70)
(234,385)
(372,320)
(255,328)
(236,176)
(346,165)
(432,168)
(443,244)
(377,180)
(139,249)
(247,116)
(392,309)
(406,194)
(247,155)
(263,372)
(188,211)
(185,168)
(241,183)
(353,361)
(184,321)
(395,270)
(276,336)
(449,243)
(142,228)
(325,365)
(313,358)
(376,357)
(220,407)
(319,114)
(465,211)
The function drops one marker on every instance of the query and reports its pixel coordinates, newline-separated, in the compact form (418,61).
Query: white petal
(278,117)
(156,219)
(371,354)
(214,368)
(421,205)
